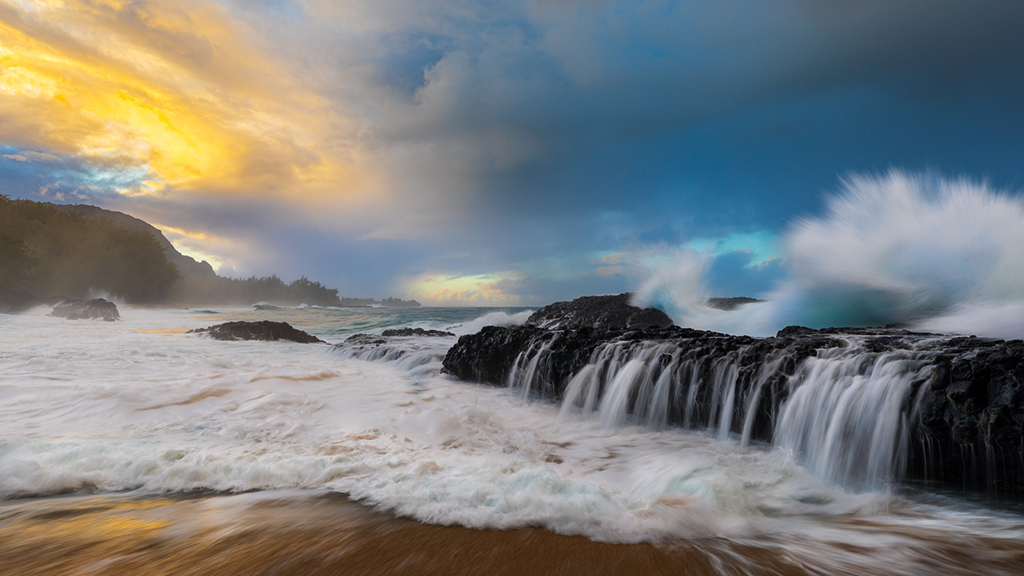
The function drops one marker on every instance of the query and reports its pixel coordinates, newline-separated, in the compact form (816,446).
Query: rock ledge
(97,308)
(265,330)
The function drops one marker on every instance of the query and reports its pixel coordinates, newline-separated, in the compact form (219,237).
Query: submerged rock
(414,332)
(97,308)
(613,311)
(265,330)
(860,406)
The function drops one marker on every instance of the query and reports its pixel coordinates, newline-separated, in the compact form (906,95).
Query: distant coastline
(51,251)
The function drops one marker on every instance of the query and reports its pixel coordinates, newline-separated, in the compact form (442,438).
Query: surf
(922,251)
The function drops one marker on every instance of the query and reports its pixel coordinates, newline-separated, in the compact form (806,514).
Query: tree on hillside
(51,252)
(15,262)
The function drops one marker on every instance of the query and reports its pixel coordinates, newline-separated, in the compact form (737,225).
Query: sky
(512,153)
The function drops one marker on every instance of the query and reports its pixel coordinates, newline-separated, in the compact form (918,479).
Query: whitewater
(140,409)
(921,251)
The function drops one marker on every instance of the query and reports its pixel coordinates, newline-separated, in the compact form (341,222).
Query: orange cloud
(481,289)
(178,90)
(613,258)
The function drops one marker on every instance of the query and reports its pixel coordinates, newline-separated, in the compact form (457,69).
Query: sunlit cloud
(536,281)
(31,156)
(473,290)
(175,91)
(220,252)
(492,152)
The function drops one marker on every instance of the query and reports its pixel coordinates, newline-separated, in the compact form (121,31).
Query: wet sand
(325,535)
(261,534)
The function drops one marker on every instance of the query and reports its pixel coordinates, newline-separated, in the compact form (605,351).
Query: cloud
(32,156)
(222,253)
(480,290)
(174,89)
(504,146)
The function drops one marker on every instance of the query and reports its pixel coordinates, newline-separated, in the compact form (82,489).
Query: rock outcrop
(613,311)
(416,332)
(858,405)
(731,303)
(362,340)
(265,330)
(95,309)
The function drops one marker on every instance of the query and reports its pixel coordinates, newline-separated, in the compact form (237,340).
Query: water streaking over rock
(860,407)
(139,406)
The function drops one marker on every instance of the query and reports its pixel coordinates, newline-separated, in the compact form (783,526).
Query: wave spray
(931,253)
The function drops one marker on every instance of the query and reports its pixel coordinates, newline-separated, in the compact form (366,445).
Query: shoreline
(295,533)
(289,532)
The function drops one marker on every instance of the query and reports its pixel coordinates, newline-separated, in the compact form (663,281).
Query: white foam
(99,407)
(491,319)
(107,407)
(892,249)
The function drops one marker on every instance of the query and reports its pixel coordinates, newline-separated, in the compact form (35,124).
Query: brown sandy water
(302,535)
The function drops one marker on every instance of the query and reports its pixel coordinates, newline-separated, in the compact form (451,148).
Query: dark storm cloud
(541,96)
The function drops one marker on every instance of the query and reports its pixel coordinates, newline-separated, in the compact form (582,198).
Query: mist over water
(937,254)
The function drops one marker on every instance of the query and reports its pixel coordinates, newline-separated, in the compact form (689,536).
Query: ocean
(132,447)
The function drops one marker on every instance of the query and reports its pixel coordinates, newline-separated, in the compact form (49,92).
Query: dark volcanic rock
(961,419)
(363,340)
(489,355)
(415,332)
(97,308)
(790,331)
(265,330)
(12,302)
(971,425)
(612,311)
(731,303)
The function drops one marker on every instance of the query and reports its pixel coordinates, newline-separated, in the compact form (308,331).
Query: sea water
(140,409)
(928,253)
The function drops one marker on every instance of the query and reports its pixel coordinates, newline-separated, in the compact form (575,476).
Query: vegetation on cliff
(50,252)
(220,290)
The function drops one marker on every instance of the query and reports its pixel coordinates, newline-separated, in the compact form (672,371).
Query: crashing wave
(934,253)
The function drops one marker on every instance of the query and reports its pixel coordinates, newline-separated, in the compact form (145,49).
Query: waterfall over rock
(862,408)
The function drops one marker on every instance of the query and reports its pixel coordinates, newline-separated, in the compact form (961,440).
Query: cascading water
(848,414)
(419,357)
(845,412)
(528,371)
(136,423)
